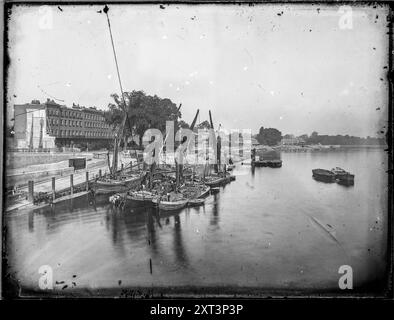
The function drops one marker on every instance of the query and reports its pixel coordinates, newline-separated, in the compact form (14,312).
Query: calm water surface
(271,228)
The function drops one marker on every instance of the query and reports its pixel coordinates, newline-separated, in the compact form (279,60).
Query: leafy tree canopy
(143,112)
(269,136)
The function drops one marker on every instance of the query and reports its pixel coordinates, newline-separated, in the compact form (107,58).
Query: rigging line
(20,114)
(43,91)
(106,9)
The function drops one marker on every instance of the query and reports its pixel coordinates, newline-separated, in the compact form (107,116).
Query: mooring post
(100,173)
(31,191)
(53,189)
(87,180)
(72,183)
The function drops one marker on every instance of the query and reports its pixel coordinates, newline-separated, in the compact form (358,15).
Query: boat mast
(119,134)
(31,134)
(216,145)
(40,143)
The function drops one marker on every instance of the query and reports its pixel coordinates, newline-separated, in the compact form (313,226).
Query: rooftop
(55,104)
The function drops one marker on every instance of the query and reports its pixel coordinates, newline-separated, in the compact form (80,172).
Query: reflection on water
(271,228)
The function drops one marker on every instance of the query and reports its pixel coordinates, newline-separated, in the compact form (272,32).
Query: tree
(143,112)
(269,136)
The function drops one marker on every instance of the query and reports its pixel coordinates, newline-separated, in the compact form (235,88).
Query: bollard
(53,189)
(121,167)
(87,181)
(72,184)
(31,191)
(100,173)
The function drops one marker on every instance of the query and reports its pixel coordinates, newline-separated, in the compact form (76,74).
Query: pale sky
(298,71)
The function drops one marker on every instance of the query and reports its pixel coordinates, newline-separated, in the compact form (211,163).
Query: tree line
(315,138)
(272,137)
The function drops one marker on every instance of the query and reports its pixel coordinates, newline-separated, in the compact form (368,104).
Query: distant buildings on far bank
(47,125)
(292,141)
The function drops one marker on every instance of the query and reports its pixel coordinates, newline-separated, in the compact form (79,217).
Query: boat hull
(216,182)
(268,163)
(170,205)
(346,179)
(115,186)
(323,175)
(196,202)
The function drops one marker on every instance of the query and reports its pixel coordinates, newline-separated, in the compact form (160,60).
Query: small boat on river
(323,175)
(276,163)
(343,175)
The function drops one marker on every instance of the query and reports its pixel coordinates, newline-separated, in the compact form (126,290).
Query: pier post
(53,189)
(87,180)
(31,191)
(100,173)
(72,184)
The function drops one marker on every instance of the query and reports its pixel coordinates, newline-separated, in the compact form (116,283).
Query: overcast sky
(297,71)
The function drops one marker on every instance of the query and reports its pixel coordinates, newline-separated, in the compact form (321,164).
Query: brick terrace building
(76,125)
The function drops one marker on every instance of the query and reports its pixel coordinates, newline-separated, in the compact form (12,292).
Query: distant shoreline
(326,147)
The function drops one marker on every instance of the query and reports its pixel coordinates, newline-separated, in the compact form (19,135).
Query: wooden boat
(268,163)
(174,204)
(323,175)
(215,181)
(342,175)
(108,185)
(196,202)
(141,196)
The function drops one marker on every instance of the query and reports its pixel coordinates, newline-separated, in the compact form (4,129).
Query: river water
(271,230)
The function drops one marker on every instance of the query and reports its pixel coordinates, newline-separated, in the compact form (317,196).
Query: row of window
(75,114)
(68,133)
(78,123)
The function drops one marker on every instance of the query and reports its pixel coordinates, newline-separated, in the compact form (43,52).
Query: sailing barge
(334,175)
